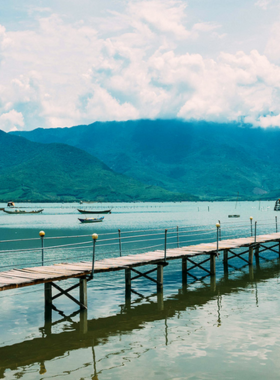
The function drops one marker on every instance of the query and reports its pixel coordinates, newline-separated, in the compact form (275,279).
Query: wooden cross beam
(65,292)
(270,248)
(232,266)
(196,278)
(138,294)
(198,265)
(238,255)
(140,274)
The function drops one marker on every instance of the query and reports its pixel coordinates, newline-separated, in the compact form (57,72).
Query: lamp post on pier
(94,238)
(42,234)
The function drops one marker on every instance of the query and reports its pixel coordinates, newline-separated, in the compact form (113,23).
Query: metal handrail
(188,236)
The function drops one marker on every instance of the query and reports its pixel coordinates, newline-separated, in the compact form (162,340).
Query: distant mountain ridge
(210,160)
(59,172)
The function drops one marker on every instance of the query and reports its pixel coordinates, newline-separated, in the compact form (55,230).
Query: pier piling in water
(159,277)
(213,264)
(83,292)
(184,271)
(225,260)
(127,283)
(48,306)
(251,254)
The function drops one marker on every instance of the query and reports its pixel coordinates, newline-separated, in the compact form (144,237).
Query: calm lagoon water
(227,329)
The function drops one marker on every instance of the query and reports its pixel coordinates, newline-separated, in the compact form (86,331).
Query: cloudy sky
(70,62)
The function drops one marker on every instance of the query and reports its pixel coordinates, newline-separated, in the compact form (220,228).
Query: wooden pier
(84,271)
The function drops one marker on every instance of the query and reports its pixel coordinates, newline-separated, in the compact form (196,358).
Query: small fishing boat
(23,211)
(95,211)
(91,220)
(234,216)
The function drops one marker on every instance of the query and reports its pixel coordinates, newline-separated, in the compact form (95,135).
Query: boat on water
(277,205)
(23,211)
(235,215)
(94,211)
(10,204)
(91,220)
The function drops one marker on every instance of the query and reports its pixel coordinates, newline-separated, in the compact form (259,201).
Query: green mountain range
(59,172)
(210,160)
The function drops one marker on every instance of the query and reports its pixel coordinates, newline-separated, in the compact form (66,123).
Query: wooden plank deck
(17,278)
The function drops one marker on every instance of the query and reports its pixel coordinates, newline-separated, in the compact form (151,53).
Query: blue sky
(67,62)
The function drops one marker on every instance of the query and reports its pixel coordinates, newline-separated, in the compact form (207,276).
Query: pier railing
(47,250)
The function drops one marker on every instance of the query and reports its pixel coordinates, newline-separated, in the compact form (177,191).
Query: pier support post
(213,283)
(83,292)
(160,303)
(127,289)
(83,321)
(212,264)
(251,254)
(257,255)
(83,311)
(159,277)
(251,273)
(48,307)
(225,260)
(184,271)
(127,283)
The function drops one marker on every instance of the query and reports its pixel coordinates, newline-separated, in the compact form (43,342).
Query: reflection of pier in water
(91,333)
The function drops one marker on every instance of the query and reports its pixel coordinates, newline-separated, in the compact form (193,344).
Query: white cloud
(11,121)
(129,65)
(263,3)
(267,4)
(272,49)
(205,26)
(102,106)
(167,16)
